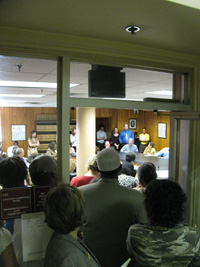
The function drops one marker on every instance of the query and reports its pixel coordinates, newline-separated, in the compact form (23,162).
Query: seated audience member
(107,144)
(66,205)
(164,240)
(110,211)
(51,150)
(146,173)
(130,157)
(43,171)
(163,153)
(7,254)
(126,179)
(20,153)
(150,150)
(10,150)
(91,173)
(130,147)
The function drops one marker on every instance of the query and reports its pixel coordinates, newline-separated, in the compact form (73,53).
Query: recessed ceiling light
(32,84)
(133,29)
(21,95)
(160,92)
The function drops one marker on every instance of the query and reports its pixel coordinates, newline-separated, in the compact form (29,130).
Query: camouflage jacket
(153,246)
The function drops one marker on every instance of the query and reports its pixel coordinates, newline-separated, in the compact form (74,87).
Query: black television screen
(106,81)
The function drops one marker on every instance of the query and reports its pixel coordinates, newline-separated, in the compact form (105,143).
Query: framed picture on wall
(162,130)
(132,124)
(18,132)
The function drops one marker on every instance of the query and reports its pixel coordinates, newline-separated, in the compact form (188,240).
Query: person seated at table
(146,173)
(20,153)
(130,147)
(107,144)
(164,240)
(163,153)
(64,248)
(130,157)
(125,178)
(150,150)
(51,150)
(92,172)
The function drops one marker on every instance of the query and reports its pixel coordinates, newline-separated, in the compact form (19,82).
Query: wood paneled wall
(20,115)
(148,119)
(110,117)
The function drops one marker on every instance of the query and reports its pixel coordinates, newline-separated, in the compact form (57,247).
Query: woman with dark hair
(13,172)
(150,150)
(33,144)
(64,213)
(115,138)
(51,150)
(164,240)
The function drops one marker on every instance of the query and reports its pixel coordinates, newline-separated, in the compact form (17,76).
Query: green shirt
(151,246)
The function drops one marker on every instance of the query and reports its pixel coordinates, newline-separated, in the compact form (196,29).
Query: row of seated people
(115,221)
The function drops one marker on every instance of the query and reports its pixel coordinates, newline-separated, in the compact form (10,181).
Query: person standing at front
(144,138)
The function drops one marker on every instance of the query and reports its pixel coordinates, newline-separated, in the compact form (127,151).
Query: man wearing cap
(110,210)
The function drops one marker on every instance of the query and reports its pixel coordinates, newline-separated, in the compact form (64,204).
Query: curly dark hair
(64,209)
(13,172)
(164,203)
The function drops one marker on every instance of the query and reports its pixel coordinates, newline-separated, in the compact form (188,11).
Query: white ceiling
(164,25)
(138,82)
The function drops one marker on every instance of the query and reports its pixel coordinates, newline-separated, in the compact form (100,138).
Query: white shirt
(5,239)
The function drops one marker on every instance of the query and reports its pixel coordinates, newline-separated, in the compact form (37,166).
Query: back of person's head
(146,173)
(64,209)
(164,203)
(92,163)
(52,146)
(19,151)
(13,172)
(16,143)
(125,170)
(43,171)
(108,163)
(130,156)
